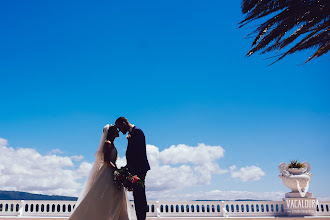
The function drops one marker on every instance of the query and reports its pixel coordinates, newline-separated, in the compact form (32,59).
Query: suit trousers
(140,200)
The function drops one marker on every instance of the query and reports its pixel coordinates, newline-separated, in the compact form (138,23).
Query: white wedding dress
(101,199)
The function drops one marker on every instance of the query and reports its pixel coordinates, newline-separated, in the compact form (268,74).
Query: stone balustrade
(162,209)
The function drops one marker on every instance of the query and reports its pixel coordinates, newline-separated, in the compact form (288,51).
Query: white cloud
(24,169)
(121,162)
(3,142)
(247,174)
(182,166)
(173,171)
(77,158)
(323,198)
(56,151)
(178,154)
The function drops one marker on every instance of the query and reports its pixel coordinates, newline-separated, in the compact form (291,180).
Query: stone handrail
(44,208)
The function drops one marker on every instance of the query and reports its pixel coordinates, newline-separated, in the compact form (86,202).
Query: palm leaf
(308,20)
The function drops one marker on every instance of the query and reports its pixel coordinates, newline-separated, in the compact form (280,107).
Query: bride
(101,199)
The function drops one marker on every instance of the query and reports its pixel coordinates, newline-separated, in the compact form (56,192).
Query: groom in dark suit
(137,162)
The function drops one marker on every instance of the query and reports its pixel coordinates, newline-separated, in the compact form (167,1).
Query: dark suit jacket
(136,154)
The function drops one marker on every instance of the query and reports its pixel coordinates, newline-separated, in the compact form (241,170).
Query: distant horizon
(1,192)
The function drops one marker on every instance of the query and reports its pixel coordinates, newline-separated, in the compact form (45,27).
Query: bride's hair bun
(112,128)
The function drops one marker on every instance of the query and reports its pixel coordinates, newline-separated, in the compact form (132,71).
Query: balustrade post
(158,209)
(22,209)
(224,210)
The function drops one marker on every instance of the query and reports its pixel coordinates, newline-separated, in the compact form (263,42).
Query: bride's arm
(106,153)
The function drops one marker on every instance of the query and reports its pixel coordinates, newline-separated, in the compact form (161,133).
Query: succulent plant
(295,164)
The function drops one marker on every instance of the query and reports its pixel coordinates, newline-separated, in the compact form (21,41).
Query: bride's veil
(95,171)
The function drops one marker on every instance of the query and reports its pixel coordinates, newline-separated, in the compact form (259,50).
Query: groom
(137,162)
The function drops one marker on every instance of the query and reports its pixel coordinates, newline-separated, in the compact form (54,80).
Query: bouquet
(123,178)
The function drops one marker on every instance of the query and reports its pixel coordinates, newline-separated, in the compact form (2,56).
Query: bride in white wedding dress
(101,199)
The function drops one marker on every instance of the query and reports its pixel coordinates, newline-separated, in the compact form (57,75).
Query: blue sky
(177,69)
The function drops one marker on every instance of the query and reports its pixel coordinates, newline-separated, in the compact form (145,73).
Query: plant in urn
(296,176)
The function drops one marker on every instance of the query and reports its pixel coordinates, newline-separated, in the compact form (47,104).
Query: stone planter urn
(296,179)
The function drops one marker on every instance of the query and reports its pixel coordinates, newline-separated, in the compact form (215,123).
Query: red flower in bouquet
(134,179)
(123,178)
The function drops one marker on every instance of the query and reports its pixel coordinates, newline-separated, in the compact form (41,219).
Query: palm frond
(308,20)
